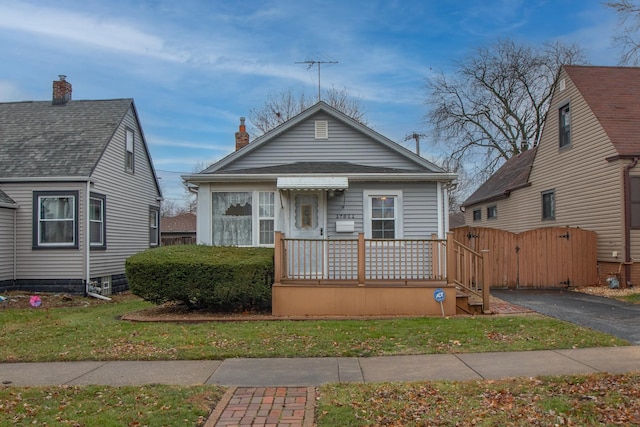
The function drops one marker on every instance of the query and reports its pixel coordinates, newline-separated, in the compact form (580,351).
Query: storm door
(306,254)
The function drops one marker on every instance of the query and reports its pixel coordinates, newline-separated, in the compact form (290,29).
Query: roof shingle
(38,139)
(613,94)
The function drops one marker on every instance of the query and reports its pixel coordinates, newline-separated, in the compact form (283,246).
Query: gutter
(434,176)
(627,221)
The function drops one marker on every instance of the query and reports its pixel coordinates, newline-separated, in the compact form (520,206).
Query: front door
(307,225)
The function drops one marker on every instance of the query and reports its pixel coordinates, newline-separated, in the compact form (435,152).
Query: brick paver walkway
(264,407)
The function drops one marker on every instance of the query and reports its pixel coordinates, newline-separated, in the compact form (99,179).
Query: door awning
(312,183)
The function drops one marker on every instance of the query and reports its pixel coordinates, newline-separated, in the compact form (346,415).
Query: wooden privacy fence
(553,257)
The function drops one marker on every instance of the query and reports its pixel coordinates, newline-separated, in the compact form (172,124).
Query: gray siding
(345,144)
(128,198)
(6,244)
(588,189)
(45,264)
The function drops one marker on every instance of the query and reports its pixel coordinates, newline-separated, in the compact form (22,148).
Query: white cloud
(86,29)
(10,92)
(155,141)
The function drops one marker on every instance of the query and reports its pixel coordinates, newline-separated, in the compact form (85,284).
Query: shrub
(220,278)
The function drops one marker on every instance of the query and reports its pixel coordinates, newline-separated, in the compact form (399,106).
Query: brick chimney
(242,137)
(61,91)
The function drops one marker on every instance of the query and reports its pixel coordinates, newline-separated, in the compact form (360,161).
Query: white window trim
(102,222)
(128,132)
(155,227)
(259,218)
(367,195)
(38,220)
(255,213)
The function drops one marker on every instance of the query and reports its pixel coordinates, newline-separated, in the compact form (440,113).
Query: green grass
(96,333)
(102,406)
(632,298)
(589,400)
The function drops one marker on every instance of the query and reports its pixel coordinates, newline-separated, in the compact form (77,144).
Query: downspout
(87,245)
(439,203)
(627,221)
(15,245)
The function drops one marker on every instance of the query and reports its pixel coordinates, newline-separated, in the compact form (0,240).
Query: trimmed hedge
(220,278)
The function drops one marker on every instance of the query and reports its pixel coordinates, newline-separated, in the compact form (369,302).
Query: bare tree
(494,104)
(628,38)
(285,105)
(190,195)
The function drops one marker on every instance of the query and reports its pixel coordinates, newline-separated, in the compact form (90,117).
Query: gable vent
(563,84)
(322,129)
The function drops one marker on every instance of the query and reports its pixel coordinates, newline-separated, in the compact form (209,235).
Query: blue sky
(194,67)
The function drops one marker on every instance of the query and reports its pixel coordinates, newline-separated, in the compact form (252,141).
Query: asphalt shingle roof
(514,173)
(317,167)
(613,94)
(38,139)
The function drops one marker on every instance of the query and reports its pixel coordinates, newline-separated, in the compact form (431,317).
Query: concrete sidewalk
(303,372)
(281,392)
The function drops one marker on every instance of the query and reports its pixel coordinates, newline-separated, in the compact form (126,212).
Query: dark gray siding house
(80,184)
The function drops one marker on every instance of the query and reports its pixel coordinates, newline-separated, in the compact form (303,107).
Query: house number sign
(345,216)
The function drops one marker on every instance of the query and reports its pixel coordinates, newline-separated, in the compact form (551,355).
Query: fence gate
(554,257)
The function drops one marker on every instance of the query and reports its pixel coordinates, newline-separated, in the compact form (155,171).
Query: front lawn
(97,333)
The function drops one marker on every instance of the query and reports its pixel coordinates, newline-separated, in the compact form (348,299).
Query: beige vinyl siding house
(579,181)
(82,179)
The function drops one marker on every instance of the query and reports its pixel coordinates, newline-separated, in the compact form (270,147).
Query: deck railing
(467,270)
(360,260)
(370,261)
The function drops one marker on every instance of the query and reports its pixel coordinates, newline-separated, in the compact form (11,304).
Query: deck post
(450,258)
(486,296)
(278,258)
(361,258)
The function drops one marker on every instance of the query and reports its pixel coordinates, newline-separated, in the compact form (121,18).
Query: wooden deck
(367,277)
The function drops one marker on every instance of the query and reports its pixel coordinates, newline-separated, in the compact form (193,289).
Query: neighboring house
(319,175)
(78,193)
(584,172)
(178,230)
(456,219)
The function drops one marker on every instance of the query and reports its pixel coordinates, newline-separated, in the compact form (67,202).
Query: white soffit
(312,183)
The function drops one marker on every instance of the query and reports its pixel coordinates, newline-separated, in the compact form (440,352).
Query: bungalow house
(78,193)
(314,187)
(584,172)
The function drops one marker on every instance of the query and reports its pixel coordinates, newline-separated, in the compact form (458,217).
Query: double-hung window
(154,226)
(97,223)
(548,205)
(55,222)
(492,212)
(129,159)
(243,218)
(564,120)
(477,215)
(266,217)
(383,214)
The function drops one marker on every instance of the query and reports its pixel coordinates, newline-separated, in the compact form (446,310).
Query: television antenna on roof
(311,63)
(416,136)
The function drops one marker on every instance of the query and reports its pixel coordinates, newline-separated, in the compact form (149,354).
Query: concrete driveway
(602,314)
